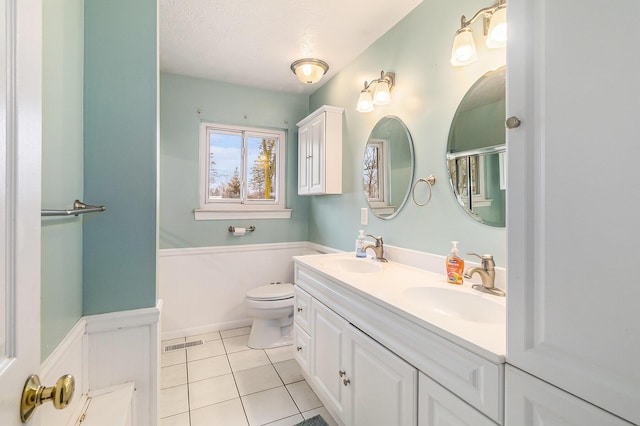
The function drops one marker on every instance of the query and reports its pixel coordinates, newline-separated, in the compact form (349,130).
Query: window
(242,173)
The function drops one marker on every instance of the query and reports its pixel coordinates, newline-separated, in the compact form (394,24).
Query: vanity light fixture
(495,29)
(381,93)
(309,70)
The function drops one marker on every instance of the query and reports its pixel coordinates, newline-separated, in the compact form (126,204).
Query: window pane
(261,167)
(370,173)
(225,165)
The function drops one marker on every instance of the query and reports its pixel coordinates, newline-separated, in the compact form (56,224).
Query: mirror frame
(410,180)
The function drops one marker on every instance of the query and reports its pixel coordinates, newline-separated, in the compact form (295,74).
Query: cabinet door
(304,158)
(328,345)
(573,200)
(437,406)
(382,386)
(530,401)
(317,160)
(302,347)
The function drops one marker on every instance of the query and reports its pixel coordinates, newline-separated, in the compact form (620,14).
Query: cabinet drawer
(438,406)
(302,347)
(301,309)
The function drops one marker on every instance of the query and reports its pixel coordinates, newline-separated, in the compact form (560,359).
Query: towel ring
(430,181)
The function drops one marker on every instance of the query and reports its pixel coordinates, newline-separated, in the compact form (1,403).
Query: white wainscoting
(203,288)
(107,350)
(67,358)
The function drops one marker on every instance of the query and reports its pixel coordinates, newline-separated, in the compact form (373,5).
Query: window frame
(242,208)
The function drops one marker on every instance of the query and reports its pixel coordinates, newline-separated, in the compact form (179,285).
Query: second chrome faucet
(487,275)
(378,249)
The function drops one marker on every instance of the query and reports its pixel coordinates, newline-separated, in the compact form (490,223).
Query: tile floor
(224,382)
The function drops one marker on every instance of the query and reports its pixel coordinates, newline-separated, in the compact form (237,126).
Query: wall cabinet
(320,152)
(572,308)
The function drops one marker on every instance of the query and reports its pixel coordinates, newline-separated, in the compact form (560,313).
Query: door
(574,198)
(20,146)
(383,388)
(304,159)
(327,360)
(316,147)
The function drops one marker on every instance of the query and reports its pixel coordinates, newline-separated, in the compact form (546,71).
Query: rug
(313,421)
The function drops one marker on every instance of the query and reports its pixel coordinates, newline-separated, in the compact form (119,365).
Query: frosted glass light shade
(464,49)
(381,95)
(365,101)
(497,36)
(309,71)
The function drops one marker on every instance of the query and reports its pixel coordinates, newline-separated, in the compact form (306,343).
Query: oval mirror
(476,150)
(387,167)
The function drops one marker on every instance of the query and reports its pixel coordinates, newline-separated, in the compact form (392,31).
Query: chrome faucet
(487,275)
(378,248)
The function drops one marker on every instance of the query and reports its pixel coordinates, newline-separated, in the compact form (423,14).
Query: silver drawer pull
(299,348)
(299,309)
(346,382)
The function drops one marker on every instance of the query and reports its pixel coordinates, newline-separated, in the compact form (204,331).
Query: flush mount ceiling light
(495,29)
(381,94)
(309,70)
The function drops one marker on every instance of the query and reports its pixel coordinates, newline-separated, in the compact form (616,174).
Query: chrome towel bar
(78,208)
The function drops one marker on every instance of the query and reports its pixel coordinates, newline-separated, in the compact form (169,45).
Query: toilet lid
(271,292)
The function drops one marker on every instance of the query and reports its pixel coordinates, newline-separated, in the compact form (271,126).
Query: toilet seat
(271,292)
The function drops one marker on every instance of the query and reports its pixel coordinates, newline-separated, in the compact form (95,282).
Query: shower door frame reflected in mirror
(383,165)
(476,149)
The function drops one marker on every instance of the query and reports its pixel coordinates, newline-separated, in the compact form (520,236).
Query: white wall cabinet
(320,152)
(573,226)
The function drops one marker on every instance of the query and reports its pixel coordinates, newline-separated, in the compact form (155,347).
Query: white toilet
(271,307)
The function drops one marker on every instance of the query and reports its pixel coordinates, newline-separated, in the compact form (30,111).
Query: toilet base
(269,333)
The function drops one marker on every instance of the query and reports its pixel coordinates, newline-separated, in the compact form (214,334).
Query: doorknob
(513,122)
(34,394)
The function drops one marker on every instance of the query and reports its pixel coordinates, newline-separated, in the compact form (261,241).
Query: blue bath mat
(313,421)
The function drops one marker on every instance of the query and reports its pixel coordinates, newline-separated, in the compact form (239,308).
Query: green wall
(62,169)
(428,90)
(181,98)
(120,154)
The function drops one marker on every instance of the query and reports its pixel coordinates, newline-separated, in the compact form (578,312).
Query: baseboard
(209,328)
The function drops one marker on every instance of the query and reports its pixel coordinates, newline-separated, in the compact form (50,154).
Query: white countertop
(395,287)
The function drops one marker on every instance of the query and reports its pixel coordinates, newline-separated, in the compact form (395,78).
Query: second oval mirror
(476,150)
(387,170)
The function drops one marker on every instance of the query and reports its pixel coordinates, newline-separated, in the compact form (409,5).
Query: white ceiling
(254,42)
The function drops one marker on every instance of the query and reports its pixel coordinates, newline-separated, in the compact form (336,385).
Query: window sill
(202,214)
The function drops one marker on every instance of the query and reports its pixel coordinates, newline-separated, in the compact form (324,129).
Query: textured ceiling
(253,42)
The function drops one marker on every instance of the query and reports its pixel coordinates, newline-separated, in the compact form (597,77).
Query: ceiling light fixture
(495,29)
(381,94)
(309,70)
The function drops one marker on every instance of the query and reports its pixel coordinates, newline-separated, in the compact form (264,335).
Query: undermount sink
(457,304)
(358,266)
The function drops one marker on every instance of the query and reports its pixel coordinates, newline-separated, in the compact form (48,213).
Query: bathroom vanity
(385,343)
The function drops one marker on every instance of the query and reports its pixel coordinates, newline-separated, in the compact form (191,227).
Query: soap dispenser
(360,245)
(455,265)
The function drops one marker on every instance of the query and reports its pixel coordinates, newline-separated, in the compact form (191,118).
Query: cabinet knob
(341,373)
(299,348)
(299,309)
(513,122)
(346,381)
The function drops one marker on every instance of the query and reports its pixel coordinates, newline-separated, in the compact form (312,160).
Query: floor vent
(170,348)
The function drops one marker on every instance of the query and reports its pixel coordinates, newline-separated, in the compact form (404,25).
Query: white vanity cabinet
(320,152)
(573,226)
(365,361)
(439,407)
(359,380)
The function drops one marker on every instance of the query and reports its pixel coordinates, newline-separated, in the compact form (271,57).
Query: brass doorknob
(34,394)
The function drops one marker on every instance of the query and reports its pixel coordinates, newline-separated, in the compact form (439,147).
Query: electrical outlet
(364,216)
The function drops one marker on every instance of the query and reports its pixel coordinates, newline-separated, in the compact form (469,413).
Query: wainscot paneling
(203,288)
